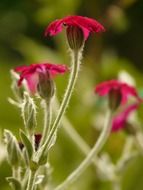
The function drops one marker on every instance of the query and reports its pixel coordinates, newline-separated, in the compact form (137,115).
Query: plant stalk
(31,181)
(72,80)
(47,120)
(86,162)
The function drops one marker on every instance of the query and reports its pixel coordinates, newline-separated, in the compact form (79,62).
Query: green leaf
(27,144)
(14,153)
(14,183)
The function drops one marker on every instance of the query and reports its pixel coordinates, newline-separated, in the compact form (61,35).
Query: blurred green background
(120,48)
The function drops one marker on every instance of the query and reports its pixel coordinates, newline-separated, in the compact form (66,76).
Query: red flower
(86,24)
(31,73)
(124,90)
(119,122)
(37,140)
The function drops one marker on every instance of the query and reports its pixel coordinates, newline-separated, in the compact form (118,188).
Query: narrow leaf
(27,144)
(14,183)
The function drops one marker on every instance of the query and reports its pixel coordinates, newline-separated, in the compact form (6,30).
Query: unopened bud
(46,87)
(13,150)
(29,113)
(114,99)
(75,37)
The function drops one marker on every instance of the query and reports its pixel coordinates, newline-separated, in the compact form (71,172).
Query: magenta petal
(54,28)
(85,32)
(118,123)
(32,81)
(124,89)
(120,120)
(21,68)
(31,73)
(86,24)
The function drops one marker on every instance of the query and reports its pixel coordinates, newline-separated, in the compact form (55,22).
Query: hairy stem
(15,172)
(47,120)
(87,161)
(139,141)
(31,181)
(72,80)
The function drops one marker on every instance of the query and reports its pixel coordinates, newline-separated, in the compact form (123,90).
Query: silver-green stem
(47,120)
(139,141)
(78,140)
(15,172)
(87,161)
(31,181)
(72,80)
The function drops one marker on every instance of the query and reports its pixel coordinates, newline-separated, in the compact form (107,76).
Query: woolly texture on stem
(31,181)
(79,141)
(86,162)
(139,140)
(47,120)
(76,56)
(15,172)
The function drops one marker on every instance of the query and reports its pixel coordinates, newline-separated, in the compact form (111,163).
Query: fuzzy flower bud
(13,150)
(29,113)
(45,86)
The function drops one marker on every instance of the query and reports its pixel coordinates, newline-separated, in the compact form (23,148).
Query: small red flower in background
(86,24)
(119,122)
(31,73)
(37,140)
(123,89)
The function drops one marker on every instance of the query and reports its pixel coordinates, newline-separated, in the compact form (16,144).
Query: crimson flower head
(118,91)
(78,29)
(36,72)
(86,24)
(120,121)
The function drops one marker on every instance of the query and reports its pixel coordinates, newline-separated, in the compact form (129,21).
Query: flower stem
(72,80)
(15,172)
(31,181)
(86,162)
(47,120)
(139,141)
(79,141)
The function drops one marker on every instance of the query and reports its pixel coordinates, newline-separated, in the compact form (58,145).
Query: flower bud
(115,98)
(75,37)
(13,150)
(46,86)
(29,113)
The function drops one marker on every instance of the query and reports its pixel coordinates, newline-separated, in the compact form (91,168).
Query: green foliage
(27,144)
(120,48)
(14,183)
